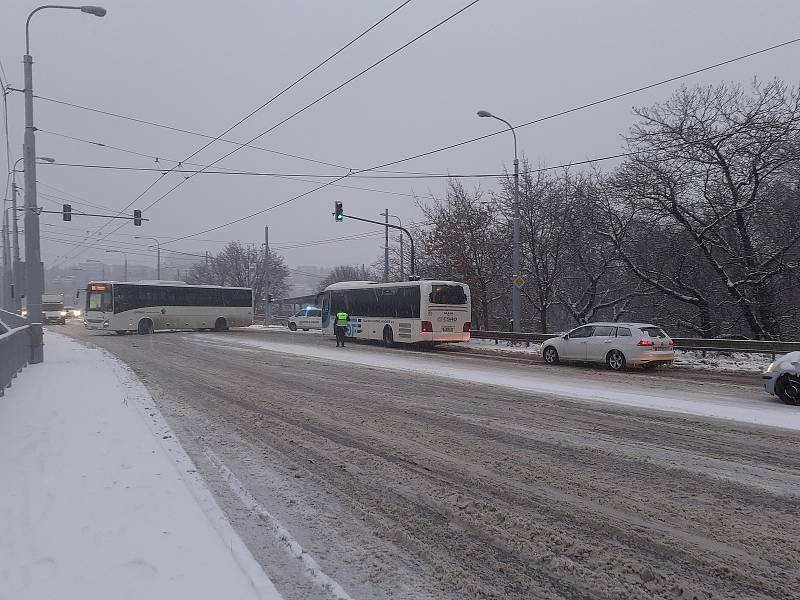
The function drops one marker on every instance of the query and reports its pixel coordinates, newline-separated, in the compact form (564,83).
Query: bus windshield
(100,301)
(447,294)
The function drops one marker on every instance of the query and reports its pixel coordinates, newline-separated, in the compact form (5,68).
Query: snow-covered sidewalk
(98,498)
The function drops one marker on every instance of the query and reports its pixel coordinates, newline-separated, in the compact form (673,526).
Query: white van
(308,318)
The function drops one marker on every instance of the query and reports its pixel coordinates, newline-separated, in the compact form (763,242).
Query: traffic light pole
(389,225)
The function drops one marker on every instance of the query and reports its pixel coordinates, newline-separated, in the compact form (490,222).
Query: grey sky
(194,65)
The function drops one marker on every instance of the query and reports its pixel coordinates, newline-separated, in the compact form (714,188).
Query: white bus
(146,306)
(414,312)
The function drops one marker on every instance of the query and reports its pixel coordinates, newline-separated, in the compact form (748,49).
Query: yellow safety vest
(341,319)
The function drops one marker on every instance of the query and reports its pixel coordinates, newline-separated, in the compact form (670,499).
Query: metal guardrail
(699,344)
(15,347)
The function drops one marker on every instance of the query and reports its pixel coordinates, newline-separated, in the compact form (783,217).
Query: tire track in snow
(284,537)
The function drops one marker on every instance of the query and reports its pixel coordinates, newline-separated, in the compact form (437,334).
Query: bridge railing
(699,344)
(15,347)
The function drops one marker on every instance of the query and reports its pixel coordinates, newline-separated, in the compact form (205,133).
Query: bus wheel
(388,337)
(221,325)
(145,327)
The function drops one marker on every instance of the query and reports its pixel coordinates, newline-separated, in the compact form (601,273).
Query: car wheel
(550,355)
(221,325)
(787,388)
(292,327)
(145,327)
(388,337)
(615,360)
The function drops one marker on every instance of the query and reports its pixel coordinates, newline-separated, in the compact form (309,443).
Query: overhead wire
(505,130)
(272,99)
(221,170)
(324,96)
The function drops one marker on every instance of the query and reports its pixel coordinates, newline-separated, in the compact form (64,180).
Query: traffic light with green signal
(338,212)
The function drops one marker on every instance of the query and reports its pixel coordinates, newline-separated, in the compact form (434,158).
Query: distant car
(308,318)
(782,378)
(72,312)
(616,344)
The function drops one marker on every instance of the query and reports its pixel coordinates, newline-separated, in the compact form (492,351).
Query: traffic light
(137,217)
(66,212)
(338,214)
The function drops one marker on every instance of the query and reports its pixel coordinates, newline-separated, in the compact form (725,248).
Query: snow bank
(738,403)
(99,500)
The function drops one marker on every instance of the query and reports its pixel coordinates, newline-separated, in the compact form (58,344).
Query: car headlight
(76,313)
(63,313)
(105,323)
(771,367)
(24,313)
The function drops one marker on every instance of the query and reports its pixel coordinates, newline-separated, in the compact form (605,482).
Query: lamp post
(33,261)
(158,253)
(515,260)
(402,269)
(125,254)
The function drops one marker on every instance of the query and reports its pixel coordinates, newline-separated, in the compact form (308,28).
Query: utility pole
(267,305)
(386,248)
(206,257)
(5,295)
(16,264)
(34,280)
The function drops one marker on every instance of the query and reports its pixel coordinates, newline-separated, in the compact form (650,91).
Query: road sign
(519,282)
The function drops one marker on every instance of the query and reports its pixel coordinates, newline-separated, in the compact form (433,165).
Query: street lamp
(125,276)
(515,267)
(33,257)
(158,253)
(402,269)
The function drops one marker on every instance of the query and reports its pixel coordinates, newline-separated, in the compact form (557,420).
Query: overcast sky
(202,66)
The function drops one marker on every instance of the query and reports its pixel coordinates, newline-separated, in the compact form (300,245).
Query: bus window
(447,294)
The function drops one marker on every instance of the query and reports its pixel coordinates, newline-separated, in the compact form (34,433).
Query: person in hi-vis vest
(340,327)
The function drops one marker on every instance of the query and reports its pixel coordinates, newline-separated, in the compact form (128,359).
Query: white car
(308,318)
(782,378)
(616,344)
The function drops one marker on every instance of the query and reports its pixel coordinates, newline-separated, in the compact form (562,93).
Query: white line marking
(310,566)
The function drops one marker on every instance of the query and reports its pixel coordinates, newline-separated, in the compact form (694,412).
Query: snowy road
(415,475)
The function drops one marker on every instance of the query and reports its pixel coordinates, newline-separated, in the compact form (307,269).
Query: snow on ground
(736,362)
(99,499)
(739,403)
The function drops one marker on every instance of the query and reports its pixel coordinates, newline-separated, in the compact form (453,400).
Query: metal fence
(15,347)
(698,344)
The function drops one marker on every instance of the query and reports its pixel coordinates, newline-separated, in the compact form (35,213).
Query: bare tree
(465,242)
(347,273)
(712,163)
(242,266)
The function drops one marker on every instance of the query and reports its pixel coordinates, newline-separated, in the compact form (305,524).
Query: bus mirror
(77,294)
